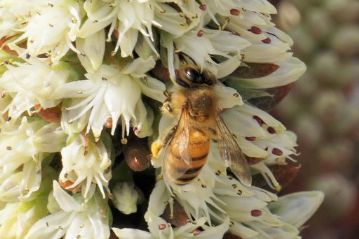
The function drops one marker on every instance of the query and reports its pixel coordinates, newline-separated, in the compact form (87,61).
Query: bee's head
(190,76)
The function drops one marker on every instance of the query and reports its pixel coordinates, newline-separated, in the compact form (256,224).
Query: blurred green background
(323,109)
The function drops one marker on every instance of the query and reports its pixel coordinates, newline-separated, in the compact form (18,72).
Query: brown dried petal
(67,183)
(179,217)
(160,72)
(5,48)
(255,70)
(276,95)
(51,115)
(283,173)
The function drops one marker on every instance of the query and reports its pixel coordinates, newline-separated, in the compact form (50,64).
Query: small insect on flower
(187,145)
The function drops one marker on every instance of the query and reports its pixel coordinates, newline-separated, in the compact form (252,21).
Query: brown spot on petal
(200,33)
(277,152)
(267,40)
(250,138)
(234,11)
(271,130)
(258,119)
(256,213)
(255,30)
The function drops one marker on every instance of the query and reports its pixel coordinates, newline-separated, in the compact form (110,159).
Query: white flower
(113,93)
(126,19)
(16,218)
(51,30)
(288,71)
(71,217)
(188,231)
(86,164)
(91,51)
(297,208)
(234,8)
(24,144)
(33,83)
(201,46)
(253,212)
(125,197)
(131,21)
(15,14)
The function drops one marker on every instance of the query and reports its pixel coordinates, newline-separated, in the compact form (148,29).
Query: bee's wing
(178,138)
(232,154)
(182,137)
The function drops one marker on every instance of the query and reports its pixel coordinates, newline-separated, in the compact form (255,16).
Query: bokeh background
(323,109)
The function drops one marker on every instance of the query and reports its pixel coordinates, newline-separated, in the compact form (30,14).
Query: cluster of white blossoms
(81,80)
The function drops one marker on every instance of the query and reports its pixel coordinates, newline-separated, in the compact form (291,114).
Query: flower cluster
(82,84)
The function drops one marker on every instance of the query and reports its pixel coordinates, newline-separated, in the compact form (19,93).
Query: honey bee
(185,149)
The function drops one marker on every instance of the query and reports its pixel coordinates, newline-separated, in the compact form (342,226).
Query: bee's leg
(167,94)
(213,133)
(167,108)
(170,135)
(158,144)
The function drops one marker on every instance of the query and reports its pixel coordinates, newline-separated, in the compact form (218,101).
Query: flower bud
(125,197)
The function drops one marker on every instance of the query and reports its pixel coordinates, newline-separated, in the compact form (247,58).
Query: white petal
(227,96)
(297,208)
(64,200)
(92,50)
(127,233)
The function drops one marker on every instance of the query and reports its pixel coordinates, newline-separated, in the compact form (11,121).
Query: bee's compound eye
(194,76)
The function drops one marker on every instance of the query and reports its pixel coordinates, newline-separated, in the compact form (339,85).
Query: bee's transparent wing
(177,144)
(232,154)
(182,137)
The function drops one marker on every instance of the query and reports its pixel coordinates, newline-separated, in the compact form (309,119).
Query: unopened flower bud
(125,197)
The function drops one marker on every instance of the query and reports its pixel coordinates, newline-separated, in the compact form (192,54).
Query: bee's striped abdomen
(178,170)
